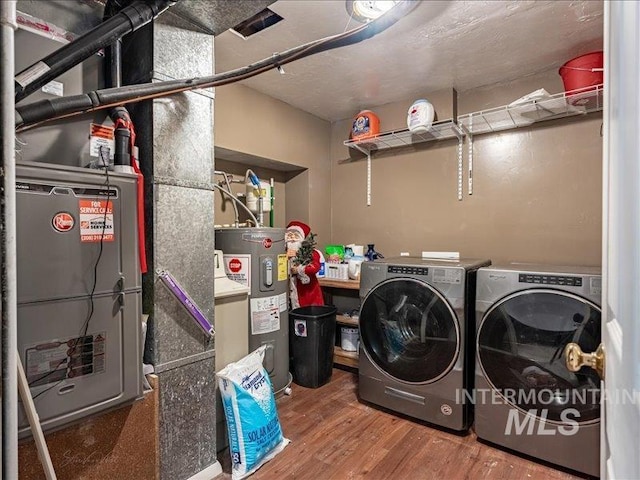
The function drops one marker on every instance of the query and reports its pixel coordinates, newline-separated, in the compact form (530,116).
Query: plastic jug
(365,125)
(420,116)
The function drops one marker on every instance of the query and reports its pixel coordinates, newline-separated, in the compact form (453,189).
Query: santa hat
(302,228)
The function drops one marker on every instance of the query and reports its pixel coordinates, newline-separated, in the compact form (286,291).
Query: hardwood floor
(334,436)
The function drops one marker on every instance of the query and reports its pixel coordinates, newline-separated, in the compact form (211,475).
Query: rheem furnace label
(57,360)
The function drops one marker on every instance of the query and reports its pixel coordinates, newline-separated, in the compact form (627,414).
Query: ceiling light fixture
(367,10)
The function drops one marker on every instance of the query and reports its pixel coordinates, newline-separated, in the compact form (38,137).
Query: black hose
(128,20)
(28,116)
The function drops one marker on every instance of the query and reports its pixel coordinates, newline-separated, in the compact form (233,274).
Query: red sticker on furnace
(63,222)
(267,242)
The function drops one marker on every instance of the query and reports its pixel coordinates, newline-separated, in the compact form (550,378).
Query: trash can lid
(314,311)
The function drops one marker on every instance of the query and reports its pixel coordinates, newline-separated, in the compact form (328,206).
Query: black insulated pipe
(128,20)
(122,139)
(51,109)
(113,78)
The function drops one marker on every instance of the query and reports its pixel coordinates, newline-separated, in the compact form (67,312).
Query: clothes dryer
(416,332)
(525,397)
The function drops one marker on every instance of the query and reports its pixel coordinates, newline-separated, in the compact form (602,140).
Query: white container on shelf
(349,339)
(420,116)
(336,271)
(253,194)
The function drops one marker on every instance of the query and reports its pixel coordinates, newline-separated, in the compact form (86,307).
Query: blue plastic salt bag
(255,435)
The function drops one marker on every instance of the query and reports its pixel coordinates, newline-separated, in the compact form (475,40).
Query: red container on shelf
(583,72)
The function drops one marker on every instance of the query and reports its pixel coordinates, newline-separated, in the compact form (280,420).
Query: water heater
(256,257)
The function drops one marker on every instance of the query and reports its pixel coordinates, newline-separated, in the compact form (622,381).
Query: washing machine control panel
(407,270)
(550,279)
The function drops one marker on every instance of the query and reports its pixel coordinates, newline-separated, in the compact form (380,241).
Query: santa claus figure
(304,264)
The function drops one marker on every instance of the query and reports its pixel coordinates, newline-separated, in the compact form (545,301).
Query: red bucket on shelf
(583,72)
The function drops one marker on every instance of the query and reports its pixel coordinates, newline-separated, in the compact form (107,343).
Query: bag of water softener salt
(255,436)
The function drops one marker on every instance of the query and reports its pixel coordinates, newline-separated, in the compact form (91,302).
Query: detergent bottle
(366,124)
(420,116)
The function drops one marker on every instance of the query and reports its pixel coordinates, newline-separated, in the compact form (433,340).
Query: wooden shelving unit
(340,356)
(331,283)
(345,320)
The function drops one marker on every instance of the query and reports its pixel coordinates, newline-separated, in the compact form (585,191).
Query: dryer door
(520,349)
(409,330)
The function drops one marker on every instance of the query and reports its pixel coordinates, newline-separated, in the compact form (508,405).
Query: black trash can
(312,337)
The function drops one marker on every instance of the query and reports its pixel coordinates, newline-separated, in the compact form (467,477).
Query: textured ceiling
(441,44)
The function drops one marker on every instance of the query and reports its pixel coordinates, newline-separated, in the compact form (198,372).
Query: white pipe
(8,227)
(253,217)
(236,223)
(34,422)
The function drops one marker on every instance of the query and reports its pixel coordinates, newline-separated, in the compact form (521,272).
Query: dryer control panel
(407,270)
(550,279)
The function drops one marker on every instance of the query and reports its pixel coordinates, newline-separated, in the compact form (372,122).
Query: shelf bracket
(367,152)
(469,135)
(368,179)
(460,134)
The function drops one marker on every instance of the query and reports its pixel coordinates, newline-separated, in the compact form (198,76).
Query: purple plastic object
(190,306)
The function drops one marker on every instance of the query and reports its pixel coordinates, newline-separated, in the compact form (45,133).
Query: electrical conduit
(9,334)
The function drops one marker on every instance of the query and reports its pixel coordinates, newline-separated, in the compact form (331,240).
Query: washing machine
(525,397)
(416,337)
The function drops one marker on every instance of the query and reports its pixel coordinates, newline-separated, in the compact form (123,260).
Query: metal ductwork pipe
(126,21)
(46,110)
(9,333)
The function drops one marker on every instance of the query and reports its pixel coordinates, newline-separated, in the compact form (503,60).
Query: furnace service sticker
(96,221)
(101,136)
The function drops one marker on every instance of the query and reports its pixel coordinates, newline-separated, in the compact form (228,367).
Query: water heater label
(238,268)
(282,298)
(265,315)
(57,360)
(96,221)
(283,268)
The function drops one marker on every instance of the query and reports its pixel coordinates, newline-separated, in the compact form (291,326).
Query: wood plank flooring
(335,437)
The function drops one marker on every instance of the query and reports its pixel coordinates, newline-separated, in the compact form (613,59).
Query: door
(621,241)
(409,331)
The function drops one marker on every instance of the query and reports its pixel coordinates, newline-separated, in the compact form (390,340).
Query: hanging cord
(104,159)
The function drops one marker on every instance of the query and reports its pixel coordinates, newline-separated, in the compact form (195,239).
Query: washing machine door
(521,341)
(409,330)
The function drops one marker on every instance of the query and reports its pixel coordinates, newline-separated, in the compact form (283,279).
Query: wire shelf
(525,113)
(401,138)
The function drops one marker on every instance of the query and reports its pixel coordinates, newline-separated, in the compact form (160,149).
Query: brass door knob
(575,359)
